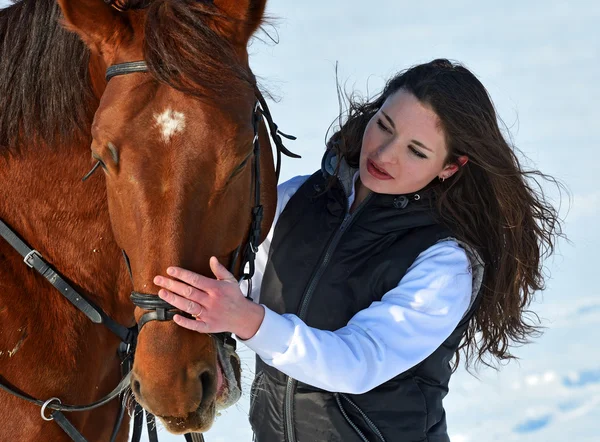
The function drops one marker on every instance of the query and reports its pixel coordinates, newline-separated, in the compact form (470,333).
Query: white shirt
(390,336)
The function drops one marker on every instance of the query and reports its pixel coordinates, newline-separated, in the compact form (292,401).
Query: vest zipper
(291,383)
(352,424)
(369,422)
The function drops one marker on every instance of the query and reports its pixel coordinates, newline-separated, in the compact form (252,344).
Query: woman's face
(403,147)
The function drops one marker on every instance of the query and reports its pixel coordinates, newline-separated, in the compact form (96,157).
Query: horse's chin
(195,422)
(228,393)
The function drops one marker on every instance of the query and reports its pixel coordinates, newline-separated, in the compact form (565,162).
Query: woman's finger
(191,278)
(184,304)
(220,271)
(196,325)
(180,288)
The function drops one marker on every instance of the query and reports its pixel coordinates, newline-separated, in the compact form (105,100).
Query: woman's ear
(452,168)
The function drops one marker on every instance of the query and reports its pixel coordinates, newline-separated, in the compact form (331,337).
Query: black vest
(325,266)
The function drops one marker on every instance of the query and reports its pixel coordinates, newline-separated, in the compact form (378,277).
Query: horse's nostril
(137,388)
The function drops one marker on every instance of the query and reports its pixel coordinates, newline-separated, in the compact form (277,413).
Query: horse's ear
(248,12)
(93,20)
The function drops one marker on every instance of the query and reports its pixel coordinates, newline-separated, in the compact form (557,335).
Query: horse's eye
(238,169)
(99,163)
(241,166)
(97,158)
(89,174)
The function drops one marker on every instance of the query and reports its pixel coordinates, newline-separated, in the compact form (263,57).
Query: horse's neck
(67,221)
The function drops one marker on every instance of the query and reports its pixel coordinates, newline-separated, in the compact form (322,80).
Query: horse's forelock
(186,52)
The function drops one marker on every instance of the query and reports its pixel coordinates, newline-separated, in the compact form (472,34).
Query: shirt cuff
(273,336)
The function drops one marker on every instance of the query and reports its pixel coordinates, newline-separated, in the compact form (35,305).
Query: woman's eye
(382,126)
(416,152)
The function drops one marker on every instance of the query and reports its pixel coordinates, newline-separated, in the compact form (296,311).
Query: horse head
(176,143)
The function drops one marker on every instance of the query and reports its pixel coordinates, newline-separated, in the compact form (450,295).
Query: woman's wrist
(250,320)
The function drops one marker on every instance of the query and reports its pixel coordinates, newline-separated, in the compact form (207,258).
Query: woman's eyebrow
(418,143)
(389,119)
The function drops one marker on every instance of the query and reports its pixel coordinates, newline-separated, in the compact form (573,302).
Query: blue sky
(540,61)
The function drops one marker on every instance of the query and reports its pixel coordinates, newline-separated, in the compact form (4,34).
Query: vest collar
(345,175)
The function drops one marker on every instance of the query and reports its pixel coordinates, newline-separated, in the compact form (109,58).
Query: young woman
(420,236)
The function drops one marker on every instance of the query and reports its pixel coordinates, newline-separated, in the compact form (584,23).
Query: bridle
(157,309)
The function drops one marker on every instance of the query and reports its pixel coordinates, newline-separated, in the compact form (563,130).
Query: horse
(175,131)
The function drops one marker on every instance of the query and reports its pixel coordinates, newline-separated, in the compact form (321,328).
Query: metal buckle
(48,402)
(30,255)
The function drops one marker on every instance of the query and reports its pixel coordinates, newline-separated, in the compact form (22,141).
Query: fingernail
(162,293)
(171,271)
(158,280)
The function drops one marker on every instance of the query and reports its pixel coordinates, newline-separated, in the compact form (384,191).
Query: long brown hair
(492,203)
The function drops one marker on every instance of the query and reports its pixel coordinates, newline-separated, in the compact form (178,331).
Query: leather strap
(125,68)
(123,385)
(138,423)
(151,424)
(118,422)
(67,427)
(34,260)
(276,134)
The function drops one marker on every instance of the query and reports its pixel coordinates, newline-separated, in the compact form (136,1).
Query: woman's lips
(377,172)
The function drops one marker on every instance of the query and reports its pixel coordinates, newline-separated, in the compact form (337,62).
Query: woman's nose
(387,152)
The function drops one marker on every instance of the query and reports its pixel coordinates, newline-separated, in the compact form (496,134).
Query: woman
(419,237)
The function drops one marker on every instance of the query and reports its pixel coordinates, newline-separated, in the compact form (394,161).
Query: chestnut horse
(176,143)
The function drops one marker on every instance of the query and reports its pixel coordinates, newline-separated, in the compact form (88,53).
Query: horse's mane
(45,92)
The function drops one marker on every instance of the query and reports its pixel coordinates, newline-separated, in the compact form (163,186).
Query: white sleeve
(387,338)
(285,191)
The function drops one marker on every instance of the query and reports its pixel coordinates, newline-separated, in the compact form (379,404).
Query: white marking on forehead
(170,123)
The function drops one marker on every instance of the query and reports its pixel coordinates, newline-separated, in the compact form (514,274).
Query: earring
(442,179)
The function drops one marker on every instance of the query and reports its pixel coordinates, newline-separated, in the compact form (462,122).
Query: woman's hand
(218,305)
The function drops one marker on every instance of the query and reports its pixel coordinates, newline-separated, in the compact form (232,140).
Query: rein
(34,260)
(158,309)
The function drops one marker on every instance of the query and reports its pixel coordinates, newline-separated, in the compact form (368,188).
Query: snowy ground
(541,62)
